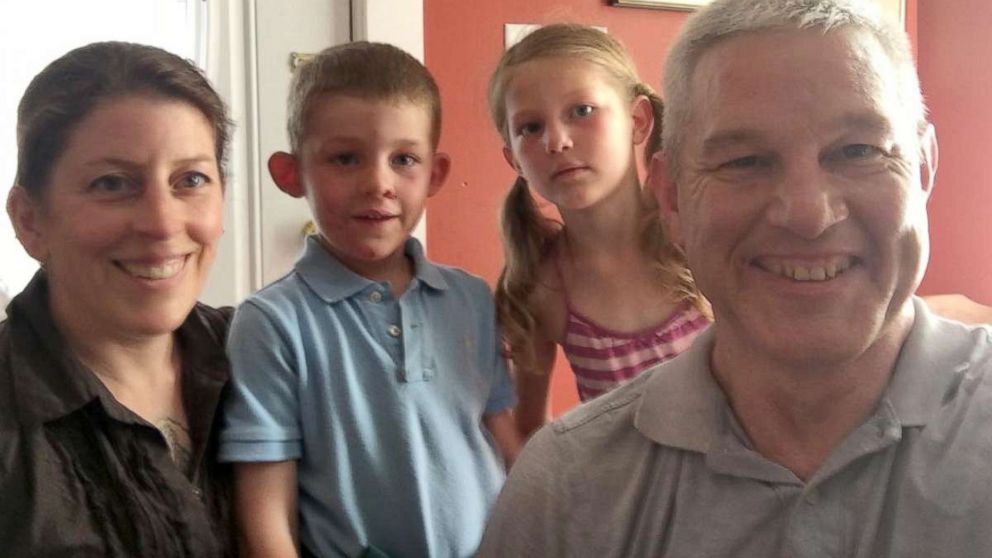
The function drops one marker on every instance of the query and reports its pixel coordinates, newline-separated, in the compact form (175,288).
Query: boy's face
(366,167)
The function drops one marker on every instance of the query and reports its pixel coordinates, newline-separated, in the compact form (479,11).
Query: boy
(363,378)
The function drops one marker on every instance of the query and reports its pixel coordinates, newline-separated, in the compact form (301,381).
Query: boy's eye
(583,110)
(112,184)
(344,159)
(405,160)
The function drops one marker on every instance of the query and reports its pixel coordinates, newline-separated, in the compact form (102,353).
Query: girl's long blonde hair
(528,236)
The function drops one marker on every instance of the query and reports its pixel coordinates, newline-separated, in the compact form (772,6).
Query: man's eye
(583,110)
(749,162)
(112,184)
(405,160)
(859,151)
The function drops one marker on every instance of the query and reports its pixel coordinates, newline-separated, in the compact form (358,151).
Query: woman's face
(130,218)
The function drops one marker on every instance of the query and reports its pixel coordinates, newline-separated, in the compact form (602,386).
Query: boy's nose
(379,180)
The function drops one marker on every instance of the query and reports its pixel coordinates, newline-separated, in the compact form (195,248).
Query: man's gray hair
(727,18)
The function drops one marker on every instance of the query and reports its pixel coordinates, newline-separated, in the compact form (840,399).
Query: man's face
(800,202)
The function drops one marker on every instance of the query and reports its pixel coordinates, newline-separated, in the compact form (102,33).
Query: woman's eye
(111,184)
(583,110)
(194,180)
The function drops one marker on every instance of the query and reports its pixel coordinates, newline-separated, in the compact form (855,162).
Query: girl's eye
(112,184)
(583,110)
(194,180)
(529,128)
(405,160)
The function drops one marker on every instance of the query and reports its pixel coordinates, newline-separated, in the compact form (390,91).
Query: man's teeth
(807,272)
(159,271)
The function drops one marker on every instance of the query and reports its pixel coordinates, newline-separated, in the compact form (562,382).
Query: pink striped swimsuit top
(603,359)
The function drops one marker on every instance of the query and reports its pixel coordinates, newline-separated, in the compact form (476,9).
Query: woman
(110,372)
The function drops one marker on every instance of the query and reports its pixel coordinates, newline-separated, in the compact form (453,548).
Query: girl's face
(130,218)
(572,131)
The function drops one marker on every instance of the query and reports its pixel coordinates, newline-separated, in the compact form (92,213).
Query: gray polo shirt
(661,467)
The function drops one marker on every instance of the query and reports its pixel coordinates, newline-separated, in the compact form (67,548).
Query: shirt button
(395,330)
(197,492)
(812,497)
(376,296)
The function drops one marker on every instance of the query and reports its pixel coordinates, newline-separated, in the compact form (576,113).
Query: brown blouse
(80,474)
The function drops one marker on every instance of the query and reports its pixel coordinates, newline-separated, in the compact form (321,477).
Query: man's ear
(284,169)
(508,156)
(27,216)
(660,183)
(929,155)
(439,172)
(643,117)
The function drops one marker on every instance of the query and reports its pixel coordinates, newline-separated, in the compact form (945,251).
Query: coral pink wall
(463,41)
(955,63)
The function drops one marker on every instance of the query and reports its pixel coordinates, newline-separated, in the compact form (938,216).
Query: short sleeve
(501,396)
(261,414)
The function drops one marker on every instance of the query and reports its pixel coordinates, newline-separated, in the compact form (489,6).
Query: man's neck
(797,413)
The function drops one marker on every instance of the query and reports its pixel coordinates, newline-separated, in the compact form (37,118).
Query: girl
(603,282)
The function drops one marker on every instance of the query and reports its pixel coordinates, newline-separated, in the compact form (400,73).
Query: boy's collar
(332,281)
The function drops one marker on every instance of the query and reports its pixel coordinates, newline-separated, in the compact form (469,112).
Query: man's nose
(807,201)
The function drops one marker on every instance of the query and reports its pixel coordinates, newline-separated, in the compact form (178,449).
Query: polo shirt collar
(684,407)
(332,281)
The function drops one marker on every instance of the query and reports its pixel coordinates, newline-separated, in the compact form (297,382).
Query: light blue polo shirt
(380,400)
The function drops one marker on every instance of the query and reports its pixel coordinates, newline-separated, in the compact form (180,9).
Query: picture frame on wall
(682,5)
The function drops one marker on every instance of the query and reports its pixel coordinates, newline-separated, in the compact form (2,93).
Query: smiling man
(826,412)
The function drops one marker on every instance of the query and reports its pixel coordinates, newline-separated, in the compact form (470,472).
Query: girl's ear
(439,172)
(27,216)
(285,171)
(643,117)
(508,156)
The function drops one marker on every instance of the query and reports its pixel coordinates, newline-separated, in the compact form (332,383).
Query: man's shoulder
(605,421)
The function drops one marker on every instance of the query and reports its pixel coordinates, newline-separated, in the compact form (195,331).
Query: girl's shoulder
(550,301)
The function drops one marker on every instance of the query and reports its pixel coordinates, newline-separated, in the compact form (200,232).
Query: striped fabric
(602,359)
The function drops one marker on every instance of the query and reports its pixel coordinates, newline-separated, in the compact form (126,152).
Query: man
(826,412)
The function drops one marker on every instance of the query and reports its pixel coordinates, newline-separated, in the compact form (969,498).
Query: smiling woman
(109,369)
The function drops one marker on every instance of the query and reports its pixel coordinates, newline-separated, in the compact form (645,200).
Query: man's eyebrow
(865,121)
(731,137)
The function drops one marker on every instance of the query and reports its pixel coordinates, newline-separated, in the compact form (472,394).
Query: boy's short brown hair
(363,69)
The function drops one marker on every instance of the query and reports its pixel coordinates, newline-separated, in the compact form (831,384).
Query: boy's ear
(508,155)
(26,215)
(660,183)
(284,169)
(643,117)
(439,172)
